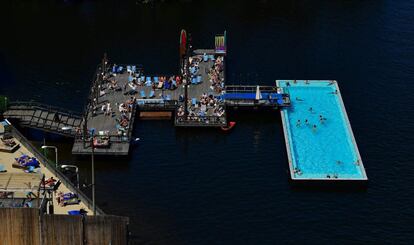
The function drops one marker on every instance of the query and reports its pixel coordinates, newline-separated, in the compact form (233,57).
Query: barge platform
(319,139)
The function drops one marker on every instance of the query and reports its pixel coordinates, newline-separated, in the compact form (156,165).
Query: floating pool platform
(320,144)
(319,140)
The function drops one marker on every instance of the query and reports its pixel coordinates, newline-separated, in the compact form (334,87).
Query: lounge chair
(193,101)
(120,68)
(148,82)
(160,85)
(142,93)
(130,78)
(167,97)
(133,69)
(167,85)
(128,68)
(199,79)
(156,80)
(152,94)
(194,80)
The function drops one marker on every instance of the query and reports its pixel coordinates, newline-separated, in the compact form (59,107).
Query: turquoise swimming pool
(319,138)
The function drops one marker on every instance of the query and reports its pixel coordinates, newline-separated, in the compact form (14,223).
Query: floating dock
(319,139)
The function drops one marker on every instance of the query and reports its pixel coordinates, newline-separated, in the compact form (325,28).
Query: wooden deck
(106,124)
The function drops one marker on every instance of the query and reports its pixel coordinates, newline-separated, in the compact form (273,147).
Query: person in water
(298,123)
(306,122)
(310,109)
(299,99)
(314,128)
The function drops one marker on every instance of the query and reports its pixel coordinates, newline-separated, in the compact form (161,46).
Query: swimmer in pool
(306,122)
(298,123)
(299,99)
(314,128)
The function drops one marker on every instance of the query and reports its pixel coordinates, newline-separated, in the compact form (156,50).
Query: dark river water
(205,187)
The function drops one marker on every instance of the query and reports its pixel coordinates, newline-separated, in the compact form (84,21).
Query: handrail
(199,120)
(41,106)
(50,166)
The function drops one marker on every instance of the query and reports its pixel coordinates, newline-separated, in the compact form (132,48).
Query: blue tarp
(239,96)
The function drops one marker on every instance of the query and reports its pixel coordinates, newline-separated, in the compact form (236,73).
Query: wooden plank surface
(19,226)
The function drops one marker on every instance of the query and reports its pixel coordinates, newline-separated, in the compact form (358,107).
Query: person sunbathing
(49,182)
(8,142)
(124,123)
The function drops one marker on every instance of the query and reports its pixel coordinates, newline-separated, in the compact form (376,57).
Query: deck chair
(142,93)
(167,97)
(199,79)
(205,58)
(193,101)
(128,68)
(156,80)
(148,82)
(133,69)
(194,80)
(167,85)
(152,94)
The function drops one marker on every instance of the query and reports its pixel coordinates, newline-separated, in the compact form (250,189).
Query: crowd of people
(216,75)
(125,110)
(307,122)
(206,106)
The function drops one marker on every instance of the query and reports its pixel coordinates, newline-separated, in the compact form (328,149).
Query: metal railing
(158,104)
(24,105)
(249,89)
(51,167)
(200,121)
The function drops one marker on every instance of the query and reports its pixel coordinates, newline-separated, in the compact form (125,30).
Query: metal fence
(200,121)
